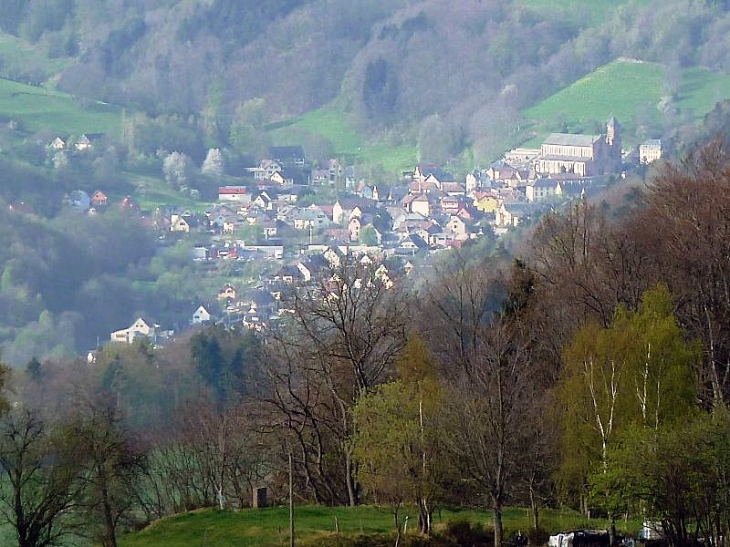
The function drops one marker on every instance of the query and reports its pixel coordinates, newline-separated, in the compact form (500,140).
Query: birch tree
(638,372)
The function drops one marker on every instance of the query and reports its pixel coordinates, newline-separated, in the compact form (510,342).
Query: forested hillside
(464,70)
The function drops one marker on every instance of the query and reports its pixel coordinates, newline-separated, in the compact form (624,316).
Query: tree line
(592,372)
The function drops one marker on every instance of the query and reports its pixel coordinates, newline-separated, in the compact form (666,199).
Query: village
(302,221)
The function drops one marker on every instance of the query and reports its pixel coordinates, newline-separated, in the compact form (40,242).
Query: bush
(463,533)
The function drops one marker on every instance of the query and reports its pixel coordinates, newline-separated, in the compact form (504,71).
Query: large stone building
(584,155)
(650,151)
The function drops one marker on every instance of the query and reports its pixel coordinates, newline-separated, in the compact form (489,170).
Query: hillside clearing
(637,93)
(332,124)
(36,108)
(576,11)
(17,57)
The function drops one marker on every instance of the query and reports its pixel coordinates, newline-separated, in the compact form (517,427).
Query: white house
(139,328)
(200,316)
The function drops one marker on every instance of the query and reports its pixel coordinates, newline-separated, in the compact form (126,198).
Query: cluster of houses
(429,210)
(320,268)
(83,202)
(383,224)
(79,143)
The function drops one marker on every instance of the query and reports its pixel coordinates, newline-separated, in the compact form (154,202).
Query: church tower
(613,133)
(613,145)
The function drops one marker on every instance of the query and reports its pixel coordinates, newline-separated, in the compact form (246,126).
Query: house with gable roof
(227,292)
(200,316)
(140,328)
(99,199)
(541,188)
(344,206)
(58,144)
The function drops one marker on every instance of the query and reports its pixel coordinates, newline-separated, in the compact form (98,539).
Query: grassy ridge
(617,89)
(700,90)
(269,527)
(332,123)
(38,108)
(631,91)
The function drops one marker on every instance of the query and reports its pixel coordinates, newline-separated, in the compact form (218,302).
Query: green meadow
(616,89)
(270,527)
(333,124)
(631,91)
(37,108)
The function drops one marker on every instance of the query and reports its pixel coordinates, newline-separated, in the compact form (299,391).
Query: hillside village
(300,220)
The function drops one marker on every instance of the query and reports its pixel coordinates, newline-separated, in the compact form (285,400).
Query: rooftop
(569,139)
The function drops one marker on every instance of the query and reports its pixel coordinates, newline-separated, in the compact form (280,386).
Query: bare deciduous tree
(42,470)
(345,332)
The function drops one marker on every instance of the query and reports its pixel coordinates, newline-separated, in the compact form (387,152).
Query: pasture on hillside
(37,108)
(635,92)
(331,123)
(18,57)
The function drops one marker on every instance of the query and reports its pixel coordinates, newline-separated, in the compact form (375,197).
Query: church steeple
(613,132)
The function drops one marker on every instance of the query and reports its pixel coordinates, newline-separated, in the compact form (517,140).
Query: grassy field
(628,90)
(700,90)
(577,11)
(152,192)
(332,124)
(617,89)
(269,527)
(38,108)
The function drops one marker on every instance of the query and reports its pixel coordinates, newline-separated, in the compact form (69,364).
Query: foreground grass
(36,108)
(332,124)
(270,527)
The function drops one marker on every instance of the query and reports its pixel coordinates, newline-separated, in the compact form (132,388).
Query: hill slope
(37,108)
(639,94)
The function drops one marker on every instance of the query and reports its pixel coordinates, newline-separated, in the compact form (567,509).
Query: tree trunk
(535,508)
(497,518)
(350,478)
(424,517)
(612,531)
(110,537)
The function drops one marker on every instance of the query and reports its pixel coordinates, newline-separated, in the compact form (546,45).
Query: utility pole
(291,503)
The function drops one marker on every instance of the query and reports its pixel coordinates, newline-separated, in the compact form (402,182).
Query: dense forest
(592,371)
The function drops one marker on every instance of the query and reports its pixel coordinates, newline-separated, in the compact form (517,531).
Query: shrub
(463,533)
